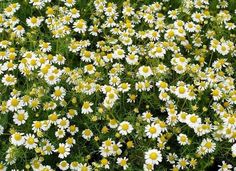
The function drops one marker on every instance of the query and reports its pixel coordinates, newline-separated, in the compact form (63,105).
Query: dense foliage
(112,85)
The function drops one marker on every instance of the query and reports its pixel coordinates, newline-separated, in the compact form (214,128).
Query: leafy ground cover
(117,85)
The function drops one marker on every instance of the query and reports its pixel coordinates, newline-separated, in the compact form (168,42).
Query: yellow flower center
(152,130)
(153,156)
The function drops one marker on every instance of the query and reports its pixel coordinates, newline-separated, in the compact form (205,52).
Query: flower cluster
(133,85)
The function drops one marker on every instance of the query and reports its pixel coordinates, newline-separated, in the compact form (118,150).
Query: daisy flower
(30,141)
(193,120)
(208,145)
(147,116)
(60,133)
(74,165)
(153,156)
(14,104)
(84,167)
(20,117)
(86,108)
(63,123)
(223,49)
(17,139)
(105,163)
(182,163)
(45,46)
(2,167)
(132,59)
(145,71)
(34,21)
(233,149)
(9,80)
(125,128)
(124,87)
(183,139)
(63,150)
(87,134)
(63,165)
(153,130)
(225,167)
(19,30)
(59,93)
(80,26)
(122,162)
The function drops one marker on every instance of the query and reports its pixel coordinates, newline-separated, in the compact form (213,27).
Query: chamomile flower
(31,141)
(83,167)
(223,49)
(19,30)
(225,167)
(63,150)
(193,120)
(153,156)
(145,71)
(183,139)
(122,162)
(153,130)
(233,149)
(17,139)
(9,80)
(14,104)
(20,117)
(34,21)
(86,108)
(63,165)
(63,123)
(87,134)
(59,93)
(45,46)
(125,128)
(80,26)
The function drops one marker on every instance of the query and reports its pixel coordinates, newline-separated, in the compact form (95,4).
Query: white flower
(182,91)
(124,87)
(153,130)
(45,47)
(52,78)
(17,139)
(86,108)
(59,93)
(80,26)
(34,21)
(20,117)
(122,162)
(9,80)
(63,165)
(153,156)
(208,145)
(193,120)
(2,167)
(84,167)
(125,128)
(183,139)
(63,150)
(19,30)
(145,71)
(132,59)
(63,123)
(225,167)
(60,133)
(14,104)
(31,141)
(223,49)
(87,134)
